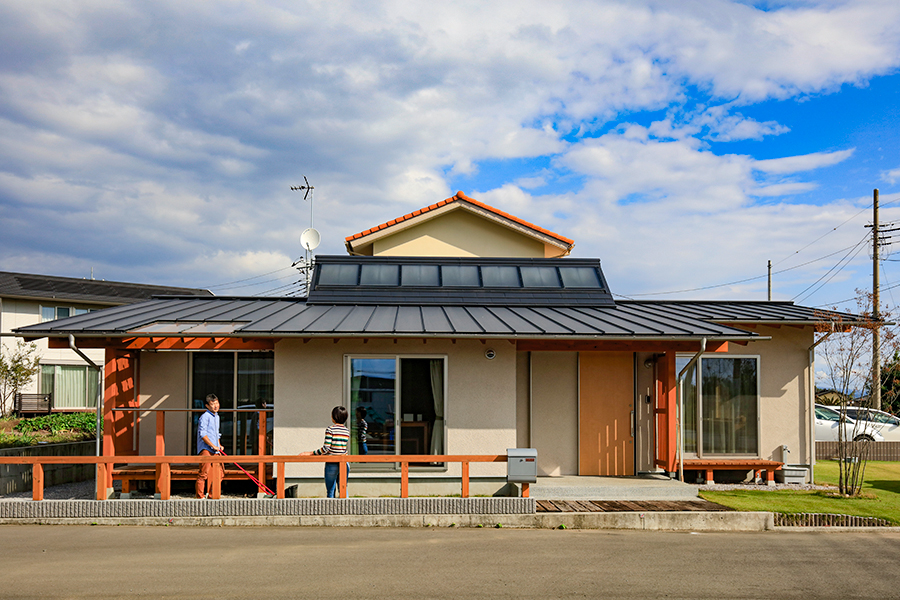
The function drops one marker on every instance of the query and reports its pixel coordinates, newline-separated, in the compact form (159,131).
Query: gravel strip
(719,487)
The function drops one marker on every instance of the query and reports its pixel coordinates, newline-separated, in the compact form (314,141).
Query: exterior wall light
(490,354)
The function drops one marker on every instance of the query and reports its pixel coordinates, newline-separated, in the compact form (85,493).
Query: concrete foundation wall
(17,478)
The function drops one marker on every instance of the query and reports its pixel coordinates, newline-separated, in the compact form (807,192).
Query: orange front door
(606,403)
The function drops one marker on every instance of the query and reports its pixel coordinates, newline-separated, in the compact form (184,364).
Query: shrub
(83,422)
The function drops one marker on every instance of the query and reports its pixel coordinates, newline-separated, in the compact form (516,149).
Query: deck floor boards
(547,506)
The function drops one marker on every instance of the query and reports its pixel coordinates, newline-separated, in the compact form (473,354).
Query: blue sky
(684,144)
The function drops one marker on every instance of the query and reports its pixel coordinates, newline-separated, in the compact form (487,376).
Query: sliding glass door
(399,402)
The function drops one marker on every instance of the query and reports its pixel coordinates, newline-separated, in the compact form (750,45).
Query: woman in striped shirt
(337,440)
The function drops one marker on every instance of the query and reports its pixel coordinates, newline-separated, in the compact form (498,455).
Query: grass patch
(50,429)
(880,495)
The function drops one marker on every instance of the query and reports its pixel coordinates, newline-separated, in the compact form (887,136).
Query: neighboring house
(832,397)
(28,299)
(465,355)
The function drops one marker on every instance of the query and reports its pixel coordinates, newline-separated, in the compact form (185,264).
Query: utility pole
(770,281)
(876,314)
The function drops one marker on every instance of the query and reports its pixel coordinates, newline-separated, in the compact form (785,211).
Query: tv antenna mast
(309,239)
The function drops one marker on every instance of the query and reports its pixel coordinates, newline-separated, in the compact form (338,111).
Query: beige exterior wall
(554,412)
(523,399)
(165,378)
(784,391)
(459,233)
(480,403)
(20,313)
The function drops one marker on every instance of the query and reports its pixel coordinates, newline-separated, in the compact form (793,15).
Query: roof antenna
(309,239)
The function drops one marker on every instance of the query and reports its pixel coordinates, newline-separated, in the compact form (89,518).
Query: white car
(828,420)
(884,423)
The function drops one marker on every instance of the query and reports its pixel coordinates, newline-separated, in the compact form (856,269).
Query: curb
(646,521)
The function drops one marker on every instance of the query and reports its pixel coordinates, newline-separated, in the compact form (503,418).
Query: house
(454,353)
(28,299)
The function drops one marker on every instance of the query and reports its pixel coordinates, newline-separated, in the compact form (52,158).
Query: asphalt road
(195,562)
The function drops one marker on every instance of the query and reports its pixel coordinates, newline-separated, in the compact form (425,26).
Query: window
(380,275)
(426,275)
(72,386)
(240,380)
(338,274)
(500,277)
(721,412)
(540,277)
(579,277)
(51,313)
(402,400)
(460,275)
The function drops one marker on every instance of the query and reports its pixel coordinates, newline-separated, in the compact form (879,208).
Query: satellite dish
(310,239)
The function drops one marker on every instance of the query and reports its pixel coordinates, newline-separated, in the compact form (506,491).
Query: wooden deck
(574,506)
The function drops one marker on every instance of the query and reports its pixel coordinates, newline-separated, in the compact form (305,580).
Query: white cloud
(157,149)
(806,162)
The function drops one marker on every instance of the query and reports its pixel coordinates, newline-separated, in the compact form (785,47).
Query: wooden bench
(737,464)
(34,404)
(128,474)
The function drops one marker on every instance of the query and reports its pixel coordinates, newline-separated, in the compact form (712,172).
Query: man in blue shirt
(208,440)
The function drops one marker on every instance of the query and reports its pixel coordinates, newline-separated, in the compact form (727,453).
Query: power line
(841,263)
(709,287)
(219,285)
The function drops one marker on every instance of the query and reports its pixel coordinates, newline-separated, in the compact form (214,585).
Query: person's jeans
(332,473)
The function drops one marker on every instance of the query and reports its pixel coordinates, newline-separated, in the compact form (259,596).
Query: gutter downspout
(812,404)
(84,356)
(680,420)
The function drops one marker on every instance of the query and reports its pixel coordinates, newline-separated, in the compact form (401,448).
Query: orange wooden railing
(105,465)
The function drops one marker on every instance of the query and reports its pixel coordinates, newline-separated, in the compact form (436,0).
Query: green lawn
(880,496)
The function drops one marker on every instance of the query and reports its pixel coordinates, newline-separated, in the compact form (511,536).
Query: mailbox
(521,465)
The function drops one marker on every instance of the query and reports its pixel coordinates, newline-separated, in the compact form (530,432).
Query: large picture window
(72,386)
(241,380)
(721,410)
(402,402)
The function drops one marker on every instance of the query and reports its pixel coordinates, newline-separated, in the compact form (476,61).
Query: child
(337,439)
(362,429)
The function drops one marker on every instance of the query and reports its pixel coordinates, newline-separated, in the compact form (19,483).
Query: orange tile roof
(463,197)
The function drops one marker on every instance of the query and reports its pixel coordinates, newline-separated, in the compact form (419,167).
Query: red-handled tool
(259,484)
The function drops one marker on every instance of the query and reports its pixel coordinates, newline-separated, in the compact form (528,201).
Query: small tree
(890,383)
(845,348)
(18,366)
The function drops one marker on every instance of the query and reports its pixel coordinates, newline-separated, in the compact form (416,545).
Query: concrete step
(612,488)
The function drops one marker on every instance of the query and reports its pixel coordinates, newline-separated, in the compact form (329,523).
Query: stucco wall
(523,399)
(784,390)
(480,412)
(554,412)
(458,233)
(164,384)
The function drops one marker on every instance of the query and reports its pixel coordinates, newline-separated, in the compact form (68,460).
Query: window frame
(699,452)
(347,403)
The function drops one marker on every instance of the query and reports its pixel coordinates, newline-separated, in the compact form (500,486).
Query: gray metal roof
(90,291)
(784,313)
(292,317)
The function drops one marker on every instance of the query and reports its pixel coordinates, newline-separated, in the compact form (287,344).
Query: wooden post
(102,469)
(465,479)
(37,481)
(279,491)
(404,479)
(160,445)
(164,481)
(215,473)
(525,490)
(342,484)
(261,446)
